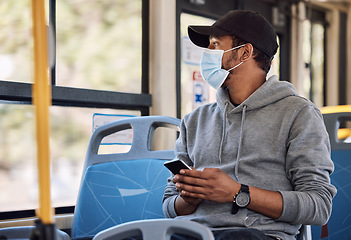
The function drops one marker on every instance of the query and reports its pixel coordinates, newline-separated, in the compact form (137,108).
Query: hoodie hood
(271,91)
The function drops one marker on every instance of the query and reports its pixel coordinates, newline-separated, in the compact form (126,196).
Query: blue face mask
(211,67)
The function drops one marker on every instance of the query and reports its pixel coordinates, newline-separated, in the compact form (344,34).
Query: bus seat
(24,232)
(339,224)
(152,229)
(122,187)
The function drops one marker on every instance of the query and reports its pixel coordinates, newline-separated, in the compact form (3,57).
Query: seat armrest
(161,229)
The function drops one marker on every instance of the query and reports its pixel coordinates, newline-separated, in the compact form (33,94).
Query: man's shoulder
(298,102)
(301,107)
(208,108)
(203,112)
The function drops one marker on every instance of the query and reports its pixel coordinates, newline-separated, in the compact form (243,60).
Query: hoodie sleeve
(171,192)
(308,166)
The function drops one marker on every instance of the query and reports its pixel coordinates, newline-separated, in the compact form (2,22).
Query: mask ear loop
(235,66)
(231,50)
(234,48)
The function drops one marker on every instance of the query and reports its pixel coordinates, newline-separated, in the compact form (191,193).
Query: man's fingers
(190,180)
(190,188)
(187,194)
(192,173)
(205,174)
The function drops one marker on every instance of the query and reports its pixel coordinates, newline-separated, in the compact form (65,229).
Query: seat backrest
(156,229)
(339,224)
(122,187)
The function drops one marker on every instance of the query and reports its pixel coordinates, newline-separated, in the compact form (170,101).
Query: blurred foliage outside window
(16,48)
(98,47)
(99,44)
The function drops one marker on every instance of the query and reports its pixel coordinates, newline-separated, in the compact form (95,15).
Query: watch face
(242,199)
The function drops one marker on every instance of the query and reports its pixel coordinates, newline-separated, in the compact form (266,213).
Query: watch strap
(245,188)
(235,208)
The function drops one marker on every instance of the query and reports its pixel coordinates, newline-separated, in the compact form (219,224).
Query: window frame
(12,92)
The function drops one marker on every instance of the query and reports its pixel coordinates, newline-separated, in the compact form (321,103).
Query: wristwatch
(241,199)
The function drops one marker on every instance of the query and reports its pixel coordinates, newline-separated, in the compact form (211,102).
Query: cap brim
(199,35)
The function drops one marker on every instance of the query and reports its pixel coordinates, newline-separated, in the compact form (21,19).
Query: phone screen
(176,165)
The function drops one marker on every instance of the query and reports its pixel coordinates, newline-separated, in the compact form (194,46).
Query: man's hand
(214,185)
(210,184)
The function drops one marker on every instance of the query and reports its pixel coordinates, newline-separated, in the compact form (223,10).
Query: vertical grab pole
(41,93)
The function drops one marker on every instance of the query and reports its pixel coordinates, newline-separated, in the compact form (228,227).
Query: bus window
(99,44)
(16,48)
(17,158)
(313,53)
(98,51)
(194,91)
(70,133)
(275,67)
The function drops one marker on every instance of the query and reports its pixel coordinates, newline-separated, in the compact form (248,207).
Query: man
(261,153)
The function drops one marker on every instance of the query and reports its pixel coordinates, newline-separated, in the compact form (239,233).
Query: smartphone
(176,165)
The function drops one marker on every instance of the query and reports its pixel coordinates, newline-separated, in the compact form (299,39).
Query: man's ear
(247,52)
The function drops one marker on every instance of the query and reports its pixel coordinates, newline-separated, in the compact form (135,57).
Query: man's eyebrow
(216,37)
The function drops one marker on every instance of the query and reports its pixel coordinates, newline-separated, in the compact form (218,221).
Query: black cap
(245,24)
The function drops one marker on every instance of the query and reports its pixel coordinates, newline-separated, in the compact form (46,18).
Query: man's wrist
(241,199)
(182,207)
(193,203)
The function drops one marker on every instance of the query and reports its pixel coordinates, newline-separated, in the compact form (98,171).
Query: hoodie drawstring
(240,140)
(223,133)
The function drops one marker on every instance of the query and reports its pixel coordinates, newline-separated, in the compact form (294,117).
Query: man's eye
(215,44)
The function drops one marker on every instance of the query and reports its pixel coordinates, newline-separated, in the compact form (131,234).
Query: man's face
(224,43)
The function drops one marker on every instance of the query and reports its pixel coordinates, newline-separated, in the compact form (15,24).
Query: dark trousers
(232,234)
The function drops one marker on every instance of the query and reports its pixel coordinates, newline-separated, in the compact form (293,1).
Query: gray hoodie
(275,140)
